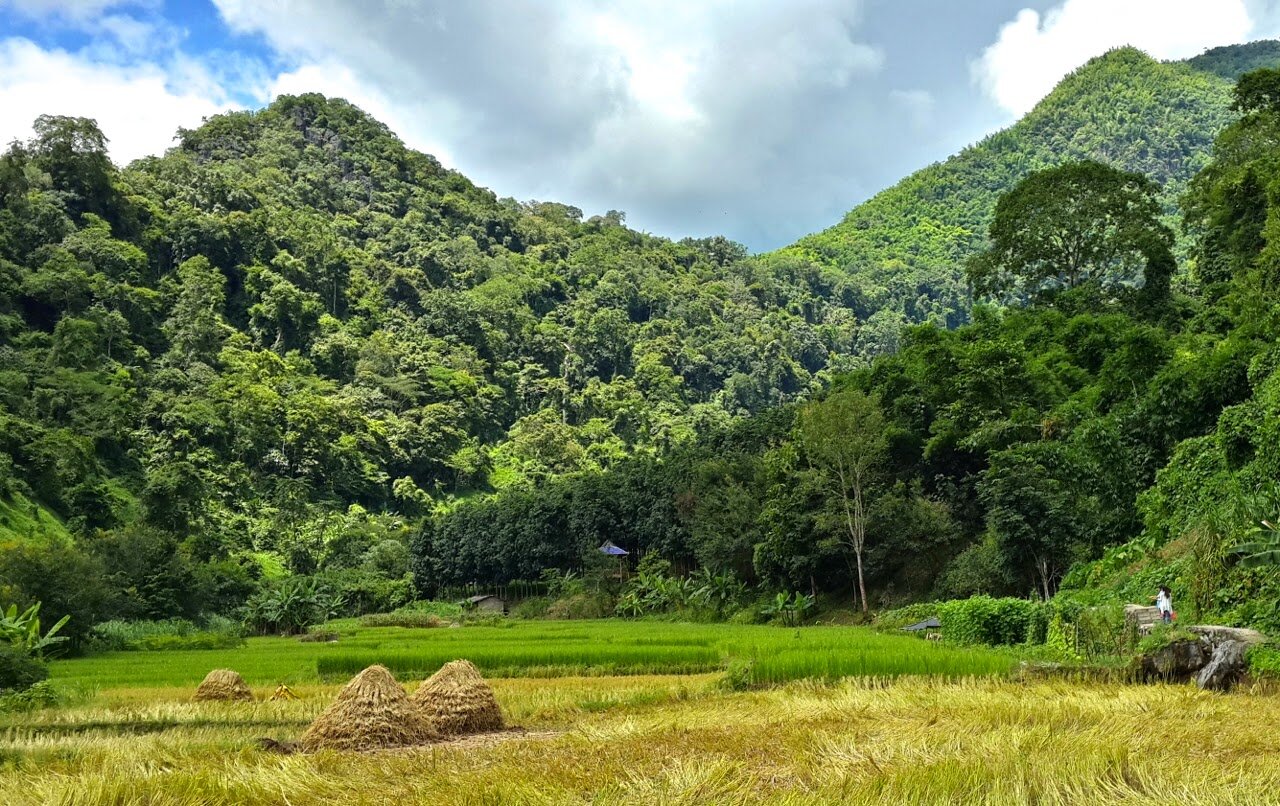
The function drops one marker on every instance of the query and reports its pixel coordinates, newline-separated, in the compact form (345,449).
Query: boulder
(1214,658)
(1217,634)
(1225,667)
(1177,661)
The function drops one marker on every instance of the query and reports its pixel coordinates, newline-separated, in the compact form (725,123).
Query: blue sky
(762,120)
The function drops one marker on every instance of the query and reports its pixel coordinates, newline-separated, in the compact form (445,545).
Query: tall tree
(844,439)
(1076,223)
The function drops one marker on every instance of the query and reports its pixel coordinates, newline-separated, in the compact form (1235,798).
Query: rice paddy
(550,649)
(950,736)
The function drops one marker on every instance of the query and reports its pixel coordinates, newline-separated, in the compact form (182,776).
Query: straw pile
(371,712)
(223,685)
(457,700)
(283,692)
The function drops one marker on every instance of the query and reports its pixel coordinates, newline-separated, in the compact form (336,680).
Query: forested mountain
(290,343)
(292,308)
(1098,436)
(904,248)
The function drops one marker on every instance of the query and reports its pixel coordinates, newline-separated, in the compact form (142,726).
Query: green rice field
(837,715)
(551,649)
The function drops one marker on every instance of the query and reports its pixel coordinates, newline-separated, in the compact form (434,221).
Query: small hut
(487,602)
(371,712)
(457,700)
(610,549)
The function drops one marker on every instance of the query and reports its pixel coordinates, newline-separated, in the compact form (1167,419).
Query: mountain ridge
(905,246)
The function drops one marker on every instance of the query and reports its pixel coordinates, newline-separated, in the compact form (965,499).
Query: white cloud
(1034,52)
(673,111)
(137,107)
(70,10)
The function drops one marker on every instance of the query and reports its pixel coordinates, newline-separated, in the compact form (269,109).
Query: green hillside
(905,247)
(292,331)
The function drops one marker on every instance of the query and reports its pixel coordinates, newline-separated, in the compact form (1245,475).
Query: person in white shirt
(1164,603)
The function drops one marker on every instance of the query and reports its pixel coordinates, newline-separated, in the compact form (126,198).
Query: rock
(1179,660)
(1214,658)
(1225,667)
(1217,634)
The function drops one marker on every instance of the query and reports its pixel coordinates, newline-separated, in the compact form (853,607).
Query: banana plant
(23,630)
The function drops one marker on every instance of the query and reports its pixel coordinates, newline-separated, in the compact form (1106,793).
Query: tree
(844,439)
(1076,223)
(1257,91)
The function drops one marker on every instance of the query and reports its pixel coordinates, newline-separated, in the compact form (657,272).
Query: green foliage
(901,254)
(169,634)
(290,606)
(897,618)
(1233,61)
(402,618)
(19,669)
(1164,635)
(1080,222)
(294,363)
(737,675)
(995,622)
(1264,661)
(22,630)
(789,608)
(40,694)
(66,583)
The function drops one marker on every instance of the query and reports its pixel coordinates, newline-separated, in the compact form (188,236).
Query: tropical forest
(285,403)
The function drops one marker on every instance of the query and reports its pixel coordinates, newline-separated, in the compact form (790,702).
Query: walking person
(1164,603)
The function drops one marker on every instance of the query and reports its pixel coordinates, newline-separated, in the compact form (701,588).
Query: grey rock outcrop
(1215,658)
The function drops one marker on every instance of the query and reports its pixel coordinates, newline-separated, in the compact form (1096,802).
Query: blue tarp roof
(613,551)
(928,624)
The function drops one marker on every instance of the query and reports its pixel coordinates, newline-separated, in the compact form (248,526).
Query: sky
(761,120)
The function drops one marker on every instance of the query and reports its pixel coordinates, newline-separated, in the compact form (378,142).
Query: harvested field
(676,741)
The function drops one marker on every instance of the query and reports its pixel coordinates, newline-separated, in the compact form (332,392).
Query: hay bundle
(283,692)
(223,685)
(372,711)
(457,700)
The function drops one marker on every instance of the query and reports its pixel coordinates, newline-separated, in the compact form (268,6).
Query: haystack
(372,711)
(225,685)
(283,692)
(457,700)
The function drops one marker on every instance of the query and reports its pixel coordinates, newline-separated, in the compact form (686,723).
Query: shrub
(150,576)
(290,606)
(737,676)
(582,606)
(360,591)
(64,580)
(534,607)
(1264,661)
(445,610)
(789,608)
(169,634)
(984,620)
(18,669)
(41,694)
(402,618)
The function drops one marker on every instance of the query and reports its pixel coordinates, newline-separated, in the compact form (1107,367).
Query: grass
(549,649)
(964,732)
(22,521)
(676,740)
